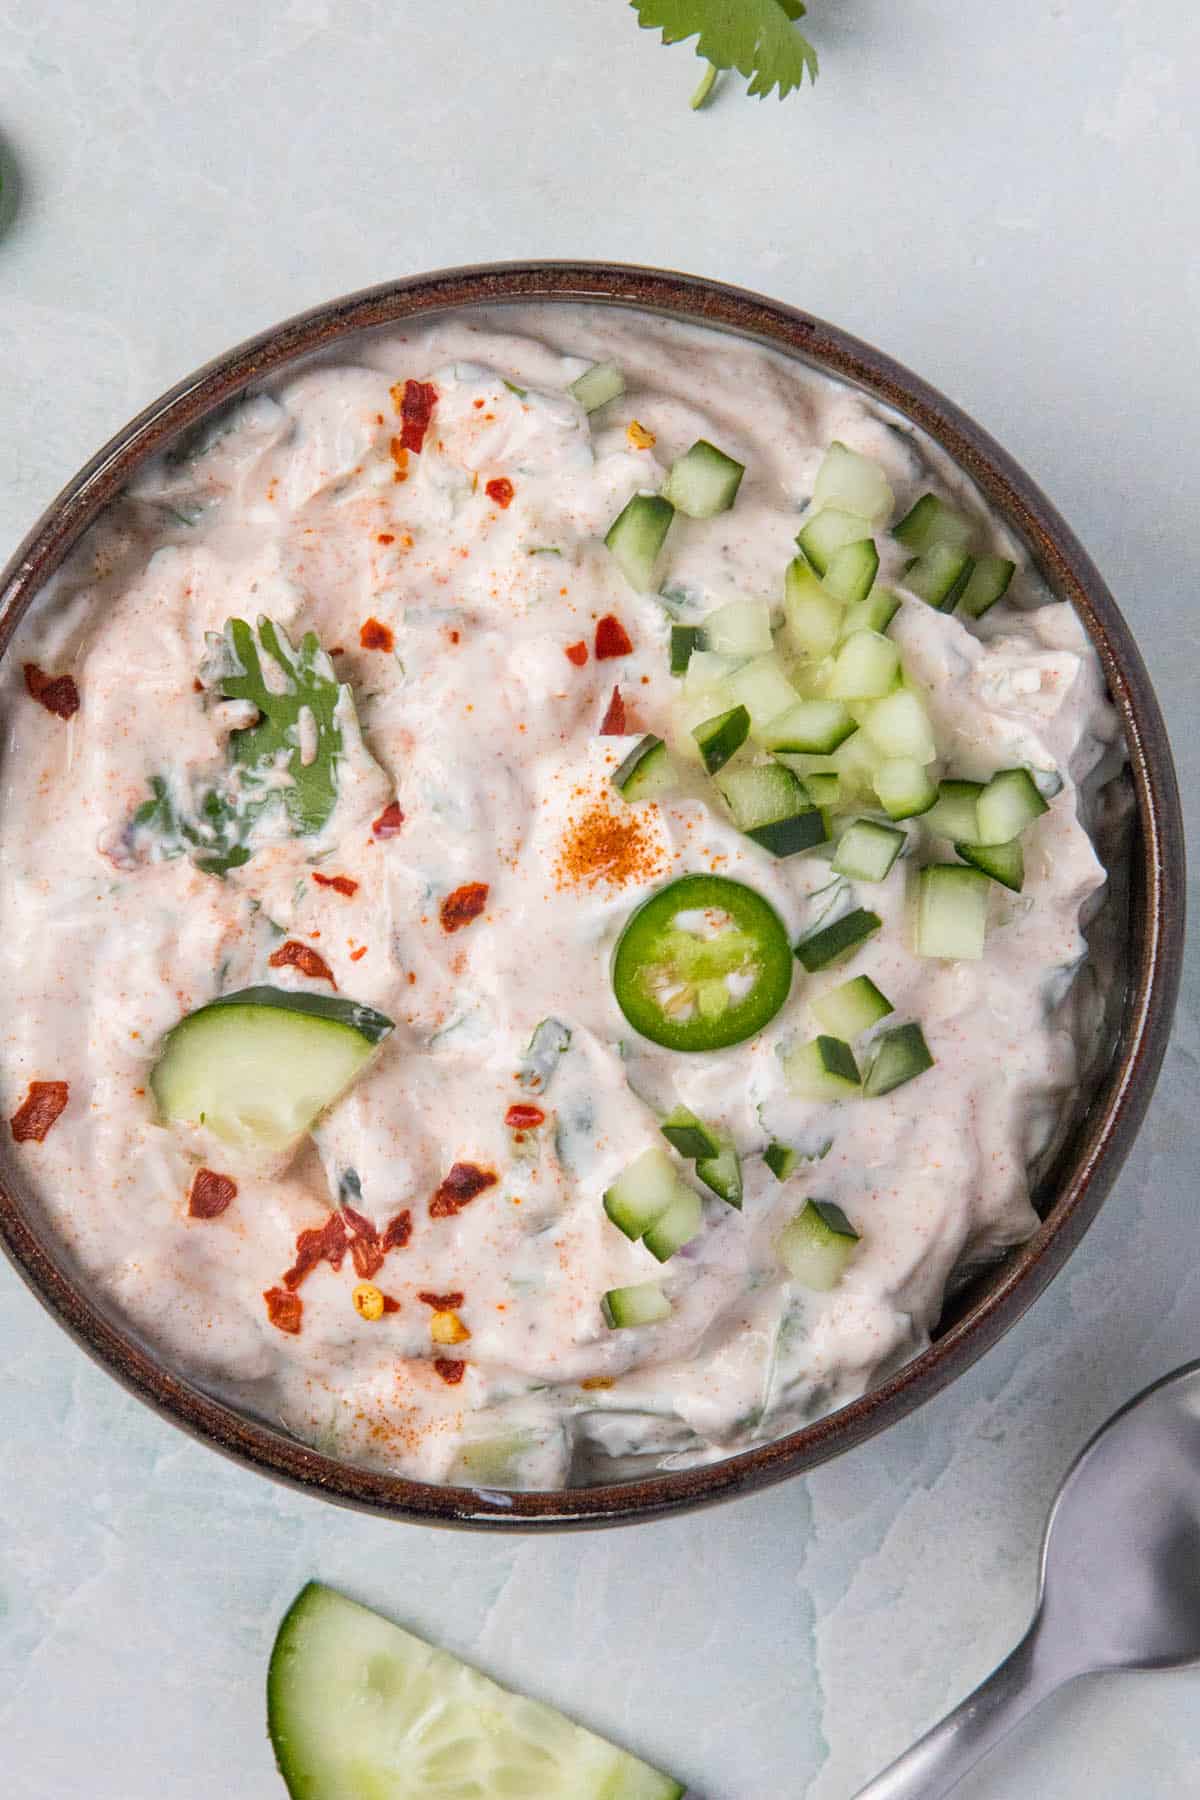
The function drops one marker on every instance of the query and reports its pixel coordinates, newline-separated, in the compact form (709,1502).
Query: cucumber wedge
(743,628)
(931,522)
(769,805)
(814,618)
(904,787)
(824,1069)
(636,536)
(1008,803)
(781,1159)
(358,1709)
(939,576)
(817,1246)
(867,850)
(1005,863)
(875,613)
(723,1174)
(987,583)
(813,727)
(677,1226)
(899,1056)
(642,1193)
(259,1066)
(865,667)
(828,531)
(690,1136)
(954,814)
(685,640)
(851,571)
(647,773)
(852,1008)
(703,482)
(952,909)
(829,945)
(597,386)
(722,737)
(851,481)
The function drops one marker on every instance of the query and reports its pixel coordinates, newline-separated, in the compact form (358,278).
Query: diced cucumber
(822,1069)
(636,536)
(865,668)
(647,773)
(855,763)
(866,850)
(642,1193)
(953,814)
(743,628)
(259,1066)
(763,689)
(704,481)
(852,1008)
(824,789)
(814,618)
(899,1055)
(899,726)
(816,1247)
(875,613)
(821,949)
(690,1135)
(813,727)
(550,1040)
(722,737)
(930,522)
(677,1226)
(723,1174)
(952,908)
(853,483)
(1005,863)
(770,806)
(987,583)
(938,576)
(684,640)
(358,1709)
(851,571)
(707,673)
(781,1159)
(643,1304)
(1008,803)
(597,386)
(828,531)
(904,787)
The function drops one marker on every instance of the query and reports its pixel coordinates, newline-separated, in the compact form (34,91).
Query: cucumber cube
(823,1069)
(904,787)
(643,1304)
(814,618)
(833,942)
(689,1135)
(597,386)
(853,483)
(952,906)
(828,531)
(865,667)
(1008,803)
(703,482)
(899,1055)
(743,628)
(849,1010)
(866,850)
(818,1245)
(722,737)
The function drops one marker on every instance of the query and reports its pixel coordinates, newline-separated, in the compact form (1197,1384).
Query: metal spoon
(1120,1585)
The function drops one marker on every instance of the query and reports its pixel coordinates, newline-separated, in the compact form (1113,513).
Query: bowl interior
(1141,926)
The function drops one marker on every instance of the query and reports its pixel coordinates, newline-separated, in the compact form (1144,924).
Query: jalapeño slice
(703,963)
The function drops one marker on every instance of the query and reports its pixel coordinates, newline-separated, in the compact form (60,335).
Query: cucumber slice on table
(722,737)
(814,618)
(828,531)
(636,536)
(812,727)
(865,667)
(852,482)
(829,945)
(685,640)
(703,482)
(939,576)
(817,1246)
(723,1174)
(690,1135)
(358,1709)
(823,1069)
(643,1304)
(597,386)
(953,814)
(930,522)
(952,906)
(899,1055)
(743,628)
(769,804)
(866,850)
(642,1193)
(1005,863)
(852,1008)
(259,1066)
(1008,803)
(647,773)
(904,787)
(987,583)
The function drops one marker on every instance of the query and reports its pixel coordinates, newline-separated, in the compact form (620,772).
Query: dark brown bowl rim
(1158,883)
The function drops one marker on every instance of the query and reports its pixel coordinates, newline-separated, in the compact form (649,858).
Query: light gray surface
(1006,199)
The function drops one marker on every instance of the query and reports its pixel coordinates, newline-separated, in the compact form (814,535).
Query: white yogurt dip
(459,589)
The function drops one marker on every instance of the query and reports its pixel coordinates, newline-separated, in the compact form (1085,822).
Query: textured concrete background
(1007,202)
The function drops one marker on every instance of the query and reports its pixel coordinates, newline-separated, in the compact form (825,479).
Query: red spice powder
(603,845)
(210,1194)
(303,957)
(39,1109)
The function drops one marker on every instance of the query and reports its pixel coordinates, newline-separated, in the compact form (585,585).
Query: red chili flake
(210,1194)
(324,1243)
(338,650)
(197,685)
(501,490)
(375,635)
(416,410)
(461,1185)
(397,1231)
(39,1109)
(390,1305)
(386,537)
(524,1118)
(366,1250)
(341,884)
(357,955)
(612,639)
(441,1302)
(57,693)
(400,458)
(389,821)
(450,1371)
(463,905)
(284,1310)
(613,722)
(577,653)
(303,957)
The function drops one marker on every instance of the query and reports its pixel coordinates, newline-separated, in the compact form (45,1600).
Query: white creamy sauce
(487,735)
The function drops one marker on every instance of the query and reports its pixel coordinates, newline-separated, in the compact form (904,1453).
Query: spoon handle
(939,1760)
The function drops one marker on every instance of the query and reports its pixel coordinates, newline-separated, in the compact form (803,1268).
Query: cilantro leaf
(309,685)
(758,38)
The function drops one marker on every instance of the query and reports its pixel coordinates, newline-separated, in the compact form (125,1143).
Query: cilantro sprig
(758,38)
